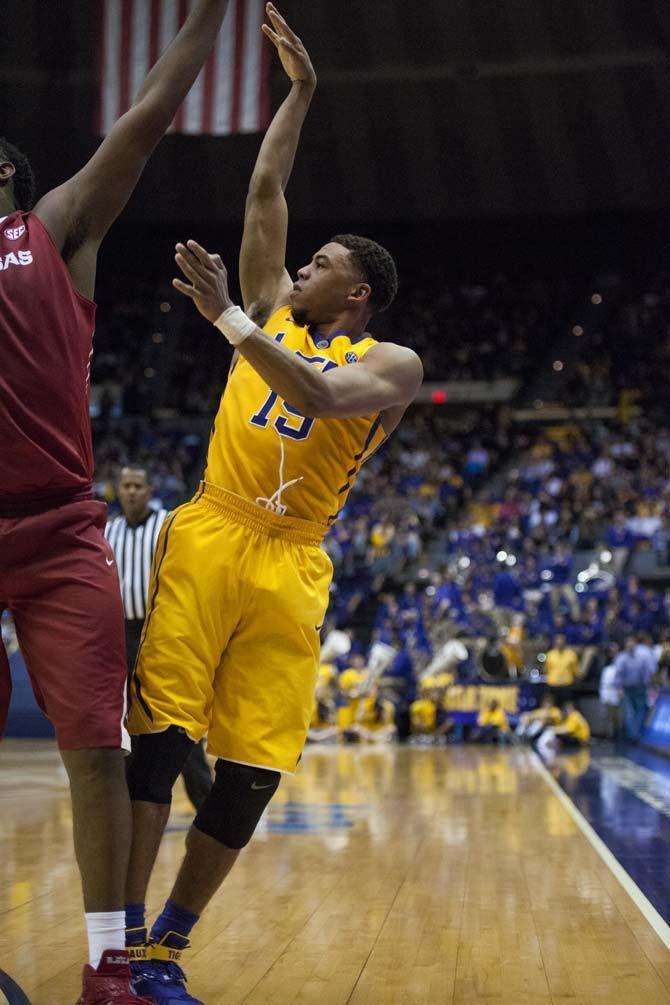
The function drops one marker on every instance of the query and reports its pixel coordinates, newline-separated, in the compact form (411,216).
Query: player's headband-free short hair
(376,267)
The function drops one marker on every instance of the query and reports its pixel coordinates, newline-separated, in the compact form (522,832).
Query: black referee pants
(196,773)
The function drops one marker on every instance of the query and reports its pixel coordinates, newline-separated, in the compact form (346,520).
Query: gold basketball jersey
(264,450)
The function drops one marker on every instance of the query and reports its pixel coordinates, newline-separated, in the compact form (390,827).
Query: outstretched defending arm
(79,213)
(388,376)
(263,277)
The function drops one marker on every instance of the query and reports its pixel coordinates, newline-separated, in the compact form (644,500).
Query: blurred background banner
(231,94)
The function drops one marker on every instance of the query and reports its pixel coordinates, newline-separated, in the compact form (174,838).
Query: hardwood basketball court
(395,875)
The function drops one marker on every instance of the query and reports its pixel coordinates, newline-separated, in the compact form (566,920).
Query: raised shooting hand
(293,54)
(207,277)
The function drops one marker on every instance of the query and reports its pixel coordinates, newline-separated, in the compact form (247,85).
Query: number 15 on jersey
(282,424)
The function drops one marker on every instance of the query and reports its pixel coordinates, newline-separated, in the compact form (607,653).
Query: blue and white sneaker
(159,975)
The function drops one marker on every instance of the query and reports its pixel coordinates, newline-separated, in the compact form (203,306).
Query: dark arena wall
(450,110)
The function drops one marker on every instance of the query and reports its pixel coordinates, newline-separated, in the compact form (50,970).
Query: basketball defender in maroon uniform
(56,570)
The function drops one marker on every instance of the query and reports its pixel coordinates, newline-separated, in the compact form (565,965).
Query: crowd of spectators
(509,538)
(409,494)
(155,361)
(377,698)
(624,340)
(153,357)
(170,454)
(537,549)
(152,353)
(478,330)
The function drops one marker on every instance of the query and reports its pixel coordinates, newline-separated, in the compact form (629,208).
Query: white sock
(106,930)
(545,743)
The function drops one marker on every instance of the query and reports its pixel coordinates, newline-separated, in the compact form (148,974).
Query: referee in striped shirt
(133,536)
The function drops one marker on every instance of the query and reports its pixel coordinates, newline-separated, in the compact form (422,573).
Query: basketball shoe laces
(274,503)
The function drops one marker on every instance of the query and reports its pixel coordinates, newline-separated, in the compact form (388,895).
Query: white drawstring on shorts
(274,503)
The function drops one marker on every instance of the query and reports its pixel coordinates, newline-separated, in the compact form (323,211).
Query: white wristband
(235,325)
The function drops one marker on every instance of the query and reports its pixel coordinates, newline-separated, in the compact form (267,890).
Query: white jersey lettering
(24,258)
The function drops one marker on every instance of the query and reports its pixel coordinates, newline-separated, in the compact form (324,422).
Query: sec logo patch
(351,357)
(14,233)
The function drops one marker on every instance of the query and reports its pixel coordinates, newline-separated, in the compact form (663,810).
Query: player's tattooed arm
(388,376)
(263,277)
(80,211)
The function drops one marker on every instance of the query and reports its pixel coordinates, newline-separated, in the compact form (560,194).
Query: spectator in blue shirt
(530,579)
(560,565)
(631,590)
(618,534)
(476,463)
(506,592)
(448,598)
(635,668)
(399,676)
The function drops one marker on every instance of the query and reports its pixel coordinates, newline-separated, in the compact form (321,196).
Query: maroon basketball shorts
(58,579)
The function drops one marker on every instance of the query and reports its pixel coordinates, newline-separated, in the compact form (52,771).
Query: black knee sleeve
(231,811)
(155,764)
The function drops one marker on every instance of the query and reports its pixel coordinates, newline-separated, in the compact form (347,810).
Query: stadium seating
(501,525)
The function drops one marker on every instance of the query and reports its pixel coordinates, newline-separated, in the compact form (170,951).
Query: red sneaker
(110,983)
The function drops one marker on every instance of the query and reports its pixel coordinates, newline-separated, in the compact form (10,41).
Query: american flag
(231,95)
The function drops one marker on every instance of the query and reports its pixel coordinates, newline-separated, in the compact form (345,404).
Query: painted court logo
(14,233)
(10,992)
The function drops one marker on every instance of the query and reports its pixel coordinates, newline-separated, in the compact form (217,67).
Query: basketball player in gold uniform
(240,581)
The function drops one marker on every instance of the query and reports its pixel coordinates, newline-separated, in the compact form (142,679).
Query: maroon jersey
(46,343)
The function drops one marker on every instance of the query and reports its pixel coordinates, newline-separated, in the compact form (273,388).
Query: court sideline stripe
(642,903)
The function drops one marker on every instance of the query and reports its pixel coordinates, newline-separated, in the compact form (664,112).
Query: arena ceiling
(446,108)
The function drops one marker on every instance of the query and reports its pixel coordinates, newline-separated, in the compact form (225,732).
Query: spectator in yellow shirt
(375,719)
(350,686)
(492,723)
(562,664)
(381,536)
(423,716)
(429,720)
(533,723)
(322,727)
(574,729)
(573,732)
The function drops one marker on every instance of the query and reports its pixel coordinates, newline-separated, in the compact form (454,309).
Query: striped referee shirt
(134,549)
